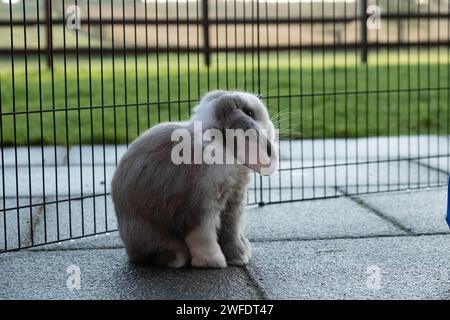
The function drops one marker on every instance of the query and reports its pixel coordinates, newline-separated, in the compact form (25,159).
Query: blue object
(447,218)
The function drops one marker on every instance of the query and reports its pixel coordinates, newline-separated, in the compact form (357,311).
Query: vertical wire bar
(67,126)
(49,29)
(197,16)
(217,43)
(418,93)
(188,45)
(346,114)
(429,92)
(58,234)
(27,109)
(114,92)
(312,105)
(409,93)
(44,207)
(168,63)
(205,17)
(91,118)
(147,71)
(2,153)
(378,104)
(207,53)
(291,189)
(363,40)
(245,76)
(125,77)
(366,64)
(178,61)
(438,85)
(136,81)
(236,85)
(13,72)
(334,103)
(356,101)
(302,164)
(399,26)
(278,95)
(226,47)
(77,54)
(158,78)
(388,118)
(258,43)
(324,95)
(448,83)
(267,80)
(258,47)
(244,7)
(252,29)
(102,97)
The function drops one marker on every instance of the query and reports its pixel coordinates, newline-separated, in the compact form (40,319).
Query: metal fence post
(206,49)
(49,38)
(363,26)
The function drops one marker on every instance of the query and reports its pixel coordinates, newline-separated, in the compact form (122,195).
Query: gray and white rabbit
(175,214)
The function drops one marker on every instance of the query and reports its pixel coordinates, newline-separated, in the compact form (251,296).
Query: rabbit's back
(148,187)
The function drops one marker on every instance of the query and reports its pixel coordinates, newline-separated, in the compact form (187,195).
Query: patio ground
(388,245)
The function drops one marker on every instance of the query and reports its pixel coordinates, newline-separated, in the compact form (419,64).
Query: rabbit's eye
(249,113)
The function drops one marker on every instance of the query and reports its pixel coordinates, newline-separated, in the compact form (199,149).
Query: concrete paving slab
(45,222)
(372,268)
(109,240)
(55,180)
(17,225)
(106,274)
(365,149)
(97,154)
(368,176)
(52,156)
(330,218)
(421,211)
(270,195)
(339,217)
(75,218)
(362,149)
(439,163)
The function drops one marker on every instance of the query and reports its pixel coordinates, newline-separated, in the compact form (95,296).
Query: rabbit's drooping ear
(244,138)
(251,146)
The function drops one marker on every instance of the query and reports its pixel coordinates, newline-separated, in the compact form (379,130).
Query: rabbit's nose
(269,149)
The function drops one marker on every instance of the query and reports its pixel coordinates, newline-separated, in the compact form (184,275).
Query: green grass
(331,95)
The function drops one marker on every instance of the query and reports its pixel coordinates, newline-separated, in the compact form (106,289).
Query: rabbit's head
(236,114)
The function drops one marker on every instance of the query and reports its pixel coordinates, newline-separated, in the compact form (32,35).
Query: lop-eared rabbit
(176,214)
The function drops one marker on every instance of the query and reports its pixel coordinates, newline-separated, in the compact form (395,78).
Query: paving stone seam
(41,248)
(377,212)
(27,234)
(254,284)
(300,239)
(430,167)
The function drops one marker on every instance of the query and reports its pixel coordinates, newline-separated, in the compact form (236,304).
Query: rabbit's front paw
(209,260)
(238,252)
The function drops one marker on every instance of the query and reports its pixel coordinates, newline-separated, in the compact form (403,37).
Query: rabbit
(173,215)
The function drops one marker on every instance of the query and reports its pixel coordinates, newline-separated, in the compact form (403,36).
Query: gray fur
(173,215)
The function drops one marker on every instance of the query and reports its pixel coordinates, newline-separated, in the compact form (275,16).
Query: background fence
(358,89)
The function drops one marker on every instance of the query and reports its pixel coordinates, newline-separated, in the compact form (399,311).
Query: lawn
(308,95)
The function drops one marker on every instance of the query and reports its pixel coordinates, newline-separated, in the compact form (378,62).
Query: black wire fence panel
(359,91)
